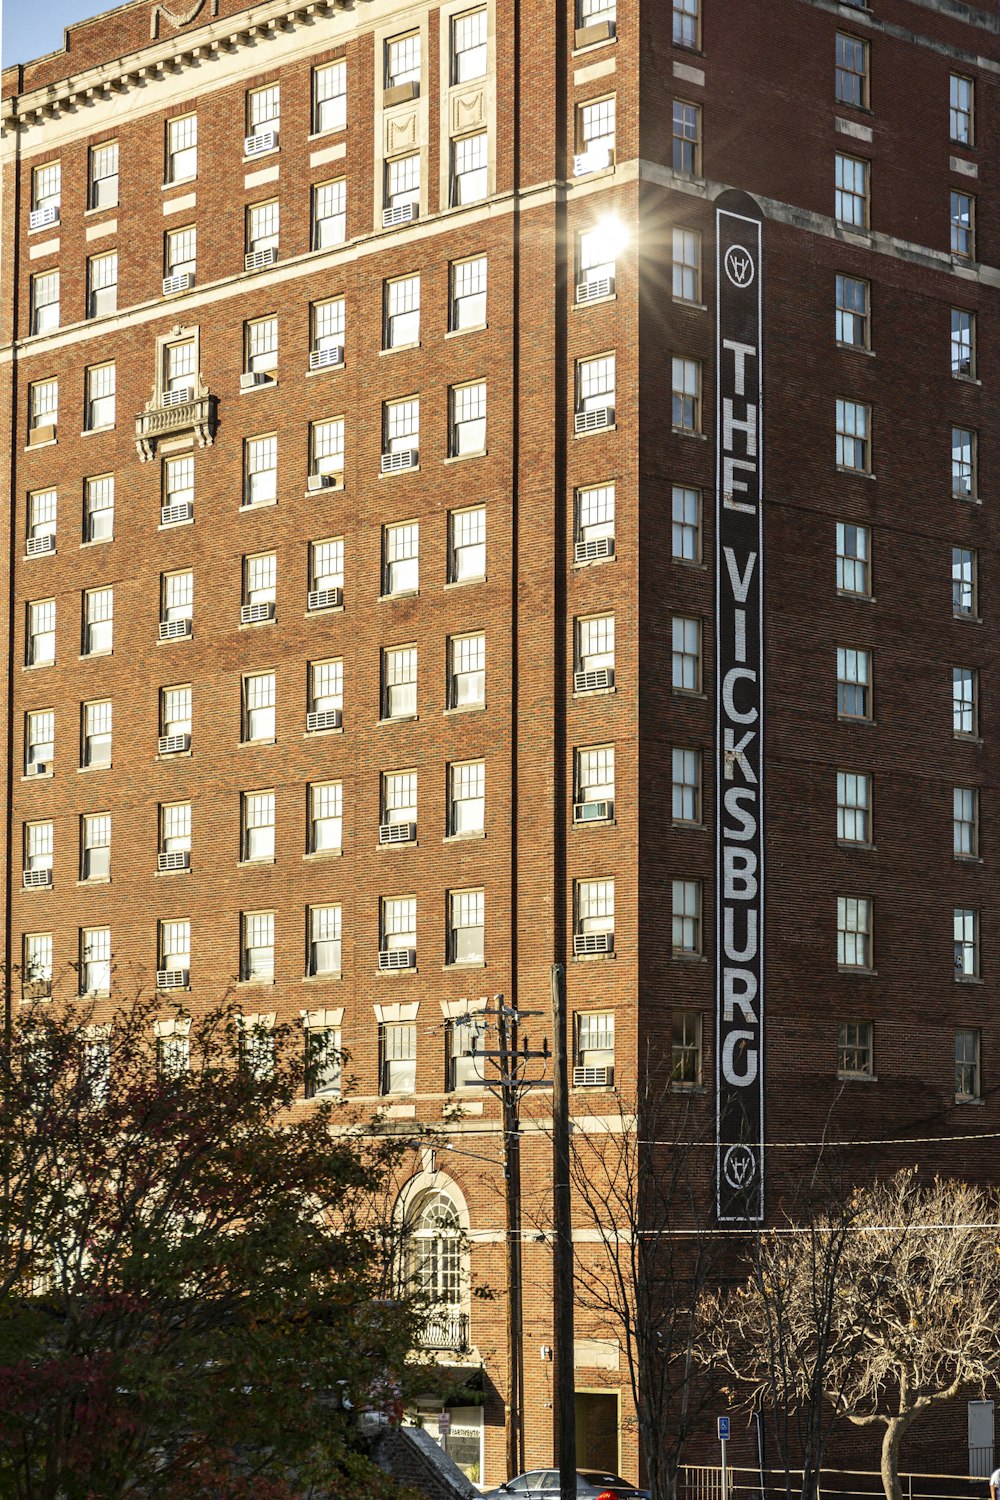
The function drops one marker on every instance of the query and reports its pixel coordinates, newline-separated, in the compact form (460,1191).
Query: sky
(33,27)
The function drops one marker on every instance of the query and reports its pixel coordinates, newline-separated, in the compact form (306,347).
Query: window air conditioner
(325,718)
(174,630)
(181,281)
(34,879)
(260,144)
(600,1078)
(256,260)
(41,218)
(322,359)
(592,682)
(317,482)
(253,378)
(407,458)
(593,551)
(173,859)
(179,397)
(39,545)
(400,213)
(255,614)
(181,510)
(397,958)
(397,833)
(594,421)
(325,598)
(173,744)
(590,291)
(593,942)
(172,979)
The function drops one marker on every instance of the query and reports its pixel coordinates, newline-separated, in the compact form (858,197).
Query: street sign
(723,1429)
(444,1423)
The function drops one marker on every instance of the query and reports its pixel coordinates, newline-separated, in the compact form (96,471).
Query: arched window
(437,1250)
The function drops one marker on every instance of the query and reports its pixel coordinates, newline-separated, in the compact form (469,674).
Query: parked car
(543,1484)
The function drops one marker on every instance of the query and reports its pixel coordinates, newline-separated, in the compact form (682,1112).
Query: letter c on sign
(727,695)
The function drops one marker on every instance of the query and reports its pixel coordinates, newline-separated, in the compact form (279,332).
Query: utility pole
(562,1248)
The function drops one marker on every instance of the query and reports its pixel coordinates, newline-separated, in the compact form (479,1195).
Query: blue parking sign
(723,1429)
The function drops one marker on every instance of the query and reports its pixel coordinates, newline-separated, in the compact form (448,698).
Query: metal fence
(704,1482)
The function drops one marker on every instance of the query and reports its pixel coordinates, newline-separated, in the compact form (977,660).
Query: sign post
(724,1442)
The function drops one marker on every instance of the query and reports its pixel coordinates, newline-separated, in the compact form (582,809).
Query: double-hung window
(466,798)
(401,300)
(402,60)
(686,19)
(258,826)
(963,343)
(685,1049)
(326,447)
(98,622)
(467,545)
(466,927)
(180,368)
(853,558)
(260,464)
(260,346)
(95,847)
(467,428)
(41,635)
(686,935)
(39,848)
(966,944)
(686,654)
(101,388)
(180,252)
(685,534)
(178,490)
(175,713)
(95,960)
(963,225)
(256,1048)
(965,822)
(326,573)
(45,302)
(39,742)
(594,917)
(399,682)
(686,138)
(595,135)
(968,1077)
(851,71)
(260,587)
(324,940)
(685,377)
(97,724)
(468,46)
(103,190)
(467,671)
(399,804)
(853,440)
(264,110)
(182,148)
(965,702)
(263,223)
(686,785)
(399,924)
(43,410)
(595,653)
(964,583)
(595,392)
(466,1041)
(964,443)
(329,214)
(37,959)
(326,344)
(326,817)
(854,932)
(595,522)
(854,683)
(467,302)
(595,784)
(855,1050)
(175,835)
(854,807)
(402,181)
(851,190)
(469,168)
(322,1061)
(687,265)
(99,508)
(42,508)
(594,1047)
(592,12)
(852,322)
(259,700)
(46,193)
(401,427)
(961,99)
(326,694)
(401,558)
(257,956)
(398,1058)
(329,97)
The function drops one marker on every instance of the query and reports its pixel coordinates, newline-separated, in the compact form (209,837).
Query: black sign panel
(739,679)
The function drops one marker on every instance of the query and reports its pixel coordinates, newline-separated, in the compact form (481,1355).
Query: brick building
(368,651)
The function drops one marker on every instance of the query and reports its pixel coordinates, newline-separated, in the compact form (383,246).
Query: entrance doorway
(597,1430)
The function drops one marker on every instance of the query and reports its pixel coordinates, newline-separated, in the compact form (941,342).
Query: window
(686,22)
(963,225)
(466,798)
(853,446)
(687,138)
(103,175)
(466,927)
(963,343)
(263,222)
(327,329)
(594,1044)
(401,300)
(175,710)
(467,545)
(968,1084)
(264,108)
(964,444)
(961,96)
(256,1042)
(399,924)
(178,489)
(686,655)
(595,650)
(467,434)
(42,508)
(964,583)
(101,381)
(98,509)
(326,573)
(469,169)
(597,260)
(182,148)
(399,682)
(855,1050)
(964,700)
(398,1058)
(591,12)
(329,97)
(595,387)
(468,46)
(852,312)
(326,817)
(853,553)
(257,966)
(98,621)
(595,135)
(966,943)
(437,1259)
(180,367)
(686,908)
(851,191)
(95,960)
(466,1040)
(260,462)
(594,928)
(41,643)
(173,1053)
(852,71)
(326,695)
(402,60)
(467,303)
(854,671)
(95,847)
(39,742)
(401,426)
(175,835)
(686,786)
(854,807)
(322,1061)
(595,522)
(402,181)
(965,822)
(686,524)
(96,1064)
(260,346)
(324,940)
(687,265)
(180,252)
(37,959)
(45,302)
(43,409)
(329,214)
(39,843)
(685,1049)
(686,376)
(326,447)
(259,696)
(401,558)
(258,826)
(46,188)
(399,801)
(595,783)
(854,932)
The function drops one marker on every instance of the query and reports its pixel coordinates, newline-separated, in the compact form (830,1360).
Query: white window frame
(854,808)
(686,532)
(467,419)
(853,430)
(470,168)
(260,470)
(98,729)
(854,559)
(102,168)
(257,827)
(326,685)
(257,947)
(329,213)
(95,960)
(401,312)
(325,831)
(687,929)
(259,694)
(399,682)
(854,933)
(329,97)
(102,381)
(99,508)
(466,919)
(181,148)
(686,785)
(176,709)
(41,633)
(967,951)
(469,45)
(686,138)
(686,404)
(468,281)
(852,190)
(467,799)
(44,302)
(39,739)
(467,670)
(397,1058)
(687,265)
(98,622)
(263,225)
(854,683)
(325,938)
(965,822)
(467,544)
(95,846)
(686,654)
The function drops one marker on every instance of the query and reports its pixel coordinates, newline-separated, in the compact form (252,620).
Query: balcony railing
(446,1330)
(162,418)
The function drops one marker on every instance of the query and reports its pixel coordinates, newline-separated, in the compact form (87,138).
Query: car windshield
(594,1476)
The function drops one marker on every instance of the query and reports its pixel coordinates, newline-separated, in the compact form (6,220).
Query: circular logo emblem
(739,266)
(739,1167)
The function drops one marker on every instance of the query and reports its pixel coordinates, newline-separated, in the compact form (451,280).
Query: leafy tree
(198,1287)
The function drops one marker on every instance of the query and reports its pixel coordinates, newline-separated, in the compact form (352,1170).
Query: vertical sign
(739,688)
